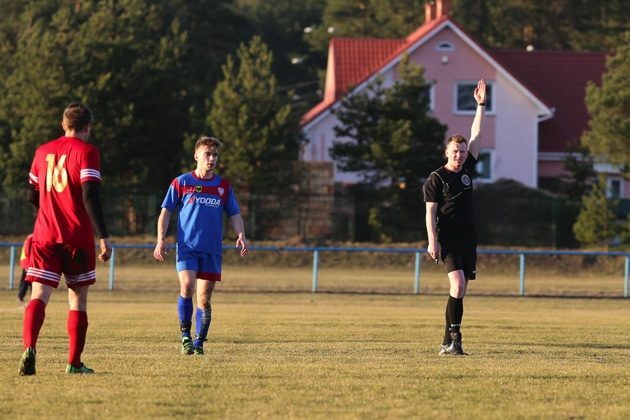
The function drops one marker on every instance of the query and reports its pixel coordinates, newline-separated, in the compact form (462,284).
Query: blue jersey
(201,203)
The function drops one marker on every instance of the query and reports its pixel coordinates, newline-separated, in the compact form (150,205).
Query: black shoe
(456,345)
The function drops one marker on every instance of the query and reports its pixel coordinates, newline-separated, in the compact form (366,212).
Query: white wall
(516,145)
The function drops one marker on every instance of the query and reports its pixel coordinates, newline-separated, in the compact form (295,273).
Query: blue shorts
(207,266)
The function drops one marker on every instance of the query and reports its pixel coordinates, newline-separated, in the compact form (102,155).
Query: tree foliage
(609,107)
(281,25)
(144,67)
(387,134)
(577,25)
(255,121)
(580,174)
(595,224)
(366,18)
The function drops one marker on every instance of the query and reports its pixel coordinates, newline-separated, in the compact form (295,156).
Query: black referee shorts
(459,250)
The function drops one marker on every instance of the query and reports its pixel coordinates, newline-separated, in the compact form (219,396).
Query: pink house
(536,99)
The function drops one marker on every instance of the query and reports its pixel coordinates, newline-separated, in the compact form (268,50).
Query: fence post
(626,276)
(11,266)
(112,269)
(416,280)
(522,274)
(315,270)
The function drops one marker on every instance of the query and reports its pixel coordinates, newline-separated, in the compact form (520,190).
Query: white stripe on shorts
(43,274)
(80,278)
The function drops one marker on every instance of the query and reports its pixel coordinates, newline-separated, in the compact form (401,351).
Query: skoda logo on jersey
(198,188)
(466,180)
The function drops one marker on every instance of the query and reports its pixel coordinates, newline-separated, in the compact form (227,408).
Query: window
(445,46)
(484,165)
(464,99)
(614,188)
(431,84)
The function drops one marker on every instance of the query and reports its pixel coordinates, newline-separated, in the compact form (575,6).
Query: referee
(450,221)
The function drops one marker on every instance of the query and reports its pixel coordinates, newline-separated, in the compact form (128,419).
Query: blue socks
(202,325)
(185,310)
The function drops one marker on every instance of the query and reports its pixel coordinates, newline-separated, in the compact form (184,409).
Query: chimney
(442,8)
(429,11)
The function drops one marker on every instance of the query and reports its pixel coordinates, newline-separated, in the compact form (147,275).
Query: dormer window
(445,46)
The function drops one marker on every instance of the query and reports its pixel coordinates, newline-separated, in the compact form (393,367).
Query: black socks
(454,314)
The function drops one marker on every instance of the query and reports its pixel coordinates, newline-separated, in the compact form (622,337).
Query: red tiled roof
(559,78)
(356,59)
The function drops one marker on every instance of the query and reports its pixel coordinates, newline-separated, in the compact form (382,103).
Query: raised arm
(475,129)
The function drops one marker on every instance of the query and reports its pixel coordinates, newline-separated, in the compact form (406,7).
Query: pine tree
(387,134)
(144,68)
(609,107)
(595,224)
(258,128)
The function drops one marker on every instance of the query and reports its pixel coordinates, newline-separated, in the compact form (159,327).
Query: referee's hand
(434,251)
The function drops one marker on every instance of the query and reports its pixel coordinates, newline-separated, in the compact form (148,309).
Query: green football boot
(27,364)
(187,346)
(83,370)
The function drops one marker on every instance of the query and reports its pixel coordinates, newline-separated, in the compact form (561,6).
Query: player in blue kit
(201,197)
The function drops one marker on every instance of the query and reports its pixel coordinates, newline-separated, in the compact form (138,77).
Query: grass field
(303,355)
(162,277)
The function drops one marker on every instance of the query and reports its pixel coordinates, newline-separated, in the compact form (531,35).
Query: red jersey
(58,170)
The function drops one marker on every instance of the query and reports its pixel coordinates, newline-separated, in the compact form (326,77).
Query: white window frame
(491,99)
(490,153)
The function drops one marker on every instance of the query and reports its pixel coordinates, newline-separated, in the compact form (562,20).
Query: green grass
(252,278)
(303,355)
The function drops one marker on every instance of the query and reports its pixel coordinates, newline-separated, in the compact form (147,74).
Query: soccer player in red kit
(64,185)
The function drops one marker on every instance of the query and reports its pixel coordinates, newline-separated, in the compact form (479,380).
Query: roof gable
(340,81)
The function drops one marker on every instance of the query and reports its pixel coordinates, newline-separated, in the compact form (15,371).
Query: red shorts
(49,260)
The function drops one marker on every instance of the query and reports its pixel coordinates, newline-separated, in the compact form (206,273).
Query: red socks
(77,330)
(33,320)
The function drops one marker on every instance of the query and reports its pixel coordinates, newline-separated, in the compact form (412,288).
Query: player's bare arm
(106,249)
(475,129)
(236,222)
(162,226)
(433,248)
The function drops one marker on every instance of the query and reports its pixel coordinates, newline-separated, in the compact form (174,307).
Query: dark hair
(208,141)
(76,116)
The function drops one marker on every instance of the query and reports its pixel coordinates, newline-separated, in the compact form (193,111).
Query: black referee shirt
(453,193)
